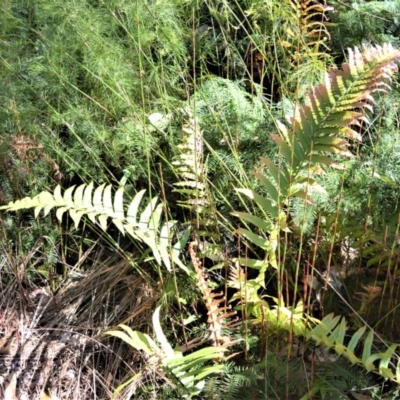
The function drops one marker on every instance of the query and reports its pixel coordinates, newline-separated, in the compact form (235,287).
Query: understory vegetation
(199,199)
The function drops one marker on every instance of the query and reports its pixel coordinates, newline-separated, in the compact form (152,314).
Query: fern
(219,316)
(331,332)
(320,131)
(297,56)
(371,22)
(320,128)
(324,125)
(186,372)
(190,168)
(100,206)
(307,46)
(276,377)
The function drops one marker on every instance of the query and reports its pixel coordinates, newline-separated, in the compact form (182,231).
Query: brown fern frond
(218,317)
(312,22)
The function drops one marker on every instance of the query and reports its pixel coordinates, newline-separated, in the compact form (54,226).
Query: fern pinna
(187,372)
(331,332)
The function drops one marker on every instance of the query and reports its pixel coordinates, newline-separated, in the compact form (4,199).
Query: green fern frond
(331,332)
(192,186)
(99,205)
(187,372)
(319,128)
(190,166)
(324,124)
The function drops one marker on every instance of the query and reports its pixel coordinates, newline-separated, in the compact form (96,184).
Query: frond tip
(323,125)
(100,206)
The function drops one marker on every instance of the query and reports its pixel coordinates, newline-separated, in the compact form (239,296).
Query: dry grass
(54,344)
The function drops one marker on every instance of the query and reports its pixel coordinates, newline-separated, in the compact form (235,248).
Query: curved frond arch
(100,206)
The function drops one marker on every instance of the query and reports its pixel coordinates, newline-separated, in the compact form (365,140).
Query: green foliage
(372,22)
(331,332)
(237,129)
(90,93)
(88,77)
(278,317)
(298,35)
(228,110)
(187,372)
(192,184)
(99,206)
(269,378)
(318,128)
